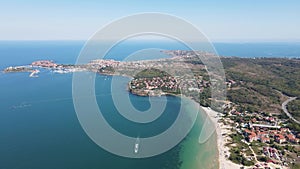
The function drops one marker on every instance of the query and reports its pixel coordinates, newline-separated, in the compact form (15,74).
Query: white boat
(34,73)
(136,145)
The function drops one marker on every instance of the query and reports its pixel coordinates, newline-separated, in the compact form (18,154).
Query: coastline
(221,129)
(213,115)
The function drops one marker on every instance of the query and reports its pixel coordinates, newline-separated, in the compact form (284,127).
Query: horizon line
(162,40)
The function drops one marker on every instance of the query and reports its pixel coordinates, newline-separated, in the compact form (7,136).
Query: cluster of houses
(268,120)
(169,83)
(44,63)
(263,128)
(166,82)
(188,53)
(101,63)
(264,134)
(272,153)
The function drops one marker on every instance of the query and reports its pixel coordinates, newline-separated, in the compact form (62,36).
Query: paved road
(286,111)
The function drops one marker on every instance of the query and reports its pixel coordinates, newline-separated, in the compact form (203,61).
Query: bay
(39,127)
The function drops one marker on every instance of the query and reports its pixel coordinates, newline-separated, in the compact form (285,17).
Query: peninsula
(257,127)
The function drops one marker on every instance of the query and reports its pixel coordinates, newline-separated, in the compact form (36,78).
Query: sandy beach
(221,130)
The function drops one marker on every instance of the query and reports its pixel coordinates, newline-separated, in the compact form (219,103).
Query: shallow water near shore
(200,155)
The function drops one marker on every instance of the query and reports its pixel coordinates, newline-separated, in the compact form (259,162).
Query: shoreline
(220,129)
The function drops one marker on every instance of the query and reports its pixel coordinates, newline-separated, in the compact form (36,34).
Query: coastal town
(258,139)
(248,137)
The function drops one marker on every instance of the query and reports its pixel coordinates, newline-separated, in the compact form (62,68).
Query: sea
(39,127)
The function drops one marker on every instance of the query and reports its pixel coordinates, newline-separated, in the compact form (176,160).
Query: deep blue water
(270,49)
(39,127)
(38,124)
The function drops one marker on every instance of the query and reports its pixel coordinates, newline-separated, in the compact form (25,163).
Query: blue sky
(228,20)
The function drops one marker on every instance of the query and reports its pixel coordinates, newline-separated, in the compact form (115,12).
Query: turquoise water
(195,155)
(39,127)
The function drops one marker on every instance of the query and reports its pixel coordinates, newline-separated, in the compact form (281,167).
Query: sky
(219,20)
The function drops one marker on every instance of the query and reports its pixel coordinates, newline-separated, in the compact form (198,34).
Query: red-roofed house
(252,137)
(292,138)
(285,130)
(265,139)
(280,138)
